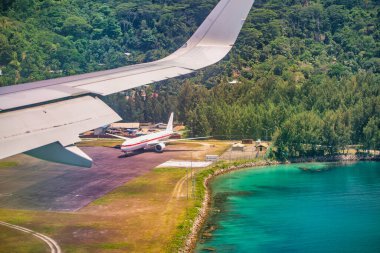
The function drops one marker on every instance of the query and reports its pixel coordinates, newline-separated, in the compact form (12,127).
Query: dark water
(296,208)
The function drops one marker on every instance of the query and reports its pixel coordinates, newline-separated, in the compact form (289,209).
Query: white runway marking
(53,245)
(184,164)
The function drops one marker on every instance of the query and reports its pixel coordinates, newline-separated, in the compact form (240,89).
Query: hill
(306,73)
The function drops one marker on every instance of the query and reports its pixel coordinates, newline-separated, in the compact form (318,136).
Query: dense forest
(305,74)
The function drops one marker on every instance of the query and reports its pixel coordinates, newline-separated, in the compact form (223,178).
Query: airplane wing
(118,136)
(52,113)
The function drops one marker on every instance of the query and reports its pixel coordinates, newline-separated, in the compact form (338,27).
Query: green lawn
(8,164)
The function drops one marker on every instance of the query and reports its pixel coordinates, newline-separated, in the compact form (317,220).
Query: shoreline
(203,214)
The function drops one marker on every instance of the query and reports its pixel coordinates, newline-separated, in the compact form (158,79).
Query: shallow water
(296,208)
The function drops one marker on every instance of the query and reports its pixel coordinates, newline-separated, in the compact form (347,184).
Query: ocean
(305,208)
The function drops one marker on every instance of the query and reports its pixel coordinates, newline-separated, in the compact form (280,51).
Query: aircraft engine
(159,147)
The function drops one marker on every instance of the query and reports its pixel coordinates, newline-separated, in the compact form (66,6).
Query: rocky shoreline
(336,158)
(204,211)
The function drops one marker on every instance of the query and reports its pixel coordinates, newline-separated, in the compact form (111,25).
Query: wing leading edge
(209,44)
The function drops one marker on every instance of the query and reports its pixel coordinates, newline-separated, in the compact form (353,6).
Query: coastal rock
(209,249)
(207,235)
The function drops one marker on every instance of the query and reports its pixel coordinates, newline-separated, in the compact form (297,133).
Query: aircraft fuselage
(145,142)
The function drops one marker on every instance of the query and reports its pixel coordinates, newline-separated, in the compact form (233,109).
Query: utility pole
(266,132)
(192,177)
(187,185)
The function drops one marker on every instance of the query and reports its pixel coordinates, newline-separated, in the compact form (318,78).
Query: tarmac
(39,185)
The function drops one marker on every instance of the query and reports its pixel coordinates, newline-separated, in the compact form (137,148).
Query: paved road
(53,245)
(40,185)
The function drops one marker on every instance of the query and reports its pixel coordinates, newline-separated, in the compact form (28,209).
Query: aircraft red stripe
(123,146)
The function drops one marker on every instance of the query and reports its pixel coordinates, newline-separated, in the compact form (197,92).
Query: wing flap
(57,153)
(27,129)
(34,96)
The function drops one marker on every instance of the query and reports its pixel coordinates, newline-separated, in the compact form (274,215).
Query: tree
(76,27)
(5,50)
(372,133)
(301,134)
(336,131)
(199,122)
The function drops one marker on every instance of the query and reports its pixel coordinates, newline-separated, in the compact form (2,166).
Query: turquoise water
(302,208)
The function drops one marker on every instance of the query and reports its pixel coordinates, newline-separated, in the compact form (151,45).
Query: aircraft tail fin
(170,123)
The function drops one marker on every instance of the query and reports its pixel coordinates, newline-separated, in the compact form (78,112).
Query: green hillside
(306,73)
(50,38)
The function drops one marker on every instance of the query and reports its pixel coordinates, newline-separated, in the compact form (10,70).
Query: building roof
(125,125)
(264,145)
(179,128)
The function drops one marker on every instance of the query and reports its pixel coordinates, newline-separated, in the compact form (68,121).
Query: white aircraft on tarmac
(154,140)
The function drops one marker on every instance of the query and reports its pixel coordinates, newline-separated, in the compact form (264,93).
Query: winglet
(215,37)
(222,26)
(170,123)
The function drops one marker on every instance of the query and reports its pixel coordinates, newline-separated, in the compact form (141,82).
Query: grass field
(7,164)
(137,217)
(202,148)
(10,238)
(100,142)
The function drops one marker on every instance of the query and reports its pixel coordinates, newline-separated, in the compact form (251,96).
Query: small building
(124,126)
(100,131)
(262,147)
(179,128)
(145,124)
(1,72)
(212,158)
(143,94)
(86,134)
(247,141)
(160,126)
(233,81)
(175,136)
(238,147)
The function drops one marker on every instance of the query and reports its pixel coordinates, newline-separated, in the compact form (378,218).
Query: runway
(40,185)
